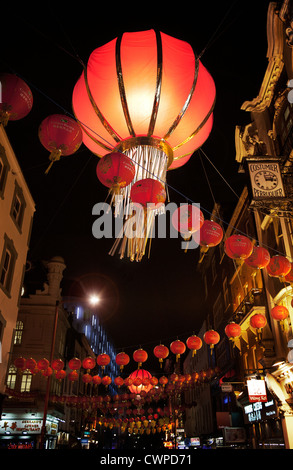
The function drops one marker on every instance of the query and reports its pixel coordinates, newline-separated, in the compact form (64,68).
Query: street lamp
(94,299)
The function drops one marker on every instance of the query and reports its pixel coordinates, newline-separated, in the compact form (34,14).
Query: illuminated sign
(258,411)
(18,426)
(257,390)
(266,179)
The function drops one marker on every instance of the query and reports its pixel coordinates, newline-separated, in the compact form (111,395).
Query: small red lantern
(259,258)
(137,378)
(31,364)
(88,363)
(187,219)
(103,360)
(258,322)
(211,234)
(194,343)
(57,364)
(73,376)
(97,380)
(177,347)
(161,352)
(140,356)
(238,247)
(148,191)
(20,363)
(106,380)
(279,266)
(60,135)
(163,380)
(211,337)
(87,378)
(74,363)
(233,330)
(280,313)
(17,98)
(122,359)
(115,171)
(60,374)
(43,364)
(47,372)
(118,381)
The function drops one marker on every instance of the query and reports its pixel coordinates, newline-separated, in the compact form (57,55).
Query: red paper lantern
(115,171)
(161,352)
(187,219)
(163,380)
(73,376)
(43,364)
(60,374)
(177,347)
(259,258)
(20,363)
(47,372)
(118,381)
(17,98)
(87,378)
(31,364)
(211,234)
(238,247)
(57,364)
(97,380)
(279,266)
(258,321)
(140,356)
(137,378)
(279,312)
(122,359)
(60,135)
(211,337)
(194,343)
(289,276)
(148,191)
(141,85)
(88,363)
(233,330)
(106,380)
(103,360)
(74,363)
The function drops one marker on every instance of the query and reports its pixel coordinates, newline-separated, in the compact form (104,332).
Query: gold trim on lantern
(144,140)
(158,84)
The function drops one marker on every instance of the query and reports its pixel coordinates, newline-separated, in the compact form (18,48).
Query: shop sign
(266,179)
(257,390)
(259,411)
(18,426)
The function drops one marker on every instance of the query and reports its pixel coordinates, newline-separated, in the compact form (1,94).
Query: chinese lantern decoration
(238,247)
(279,266)
(43,364)
(258,322)
(259,258)
(60,135)
(280,313)
(20,363)
(17,99)
(122,359)
(106,380)
(73,376)
(116,171)
(88,363)
(118,381)
(103,360)
(57,364)
(163,380)
(187,219)
(194,343)
(233,331)
(86,378)
(140,356)
(177,347)
(60,374)
(211,234)
(97,380)
(138,377)
(130,99)
(74,363)
(211,337)
(47,372)
(161,352)
(31,364)
(289,276)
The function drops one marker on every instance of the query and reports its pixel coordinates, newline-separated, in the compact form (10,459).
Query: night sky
(158,299)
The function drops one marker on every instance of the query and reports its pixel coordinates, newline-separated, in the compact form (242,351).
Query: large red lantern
(233,331)
(177,347)
(280,313)
(279,266)
(103,360)
(161,352)
(122,359)
(238,247)
(97,380)
(140,356)
(60,374)
(194,343)
(87,378)
(289,276)
(57,364)
(17,98)
(211,337)
(60,135)
(259,258)
(148,191)
(147,95)
(258,322)
(43,364)
(74,363)
(73,376)
(118,381)
(211,234)
(88,363)
(187,219)
(138,377)
(106,380)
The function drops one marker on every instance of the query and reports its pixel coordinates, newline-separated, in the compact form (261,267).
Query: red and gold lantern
(194,343)
(238,247)
(118,381)
(87,378)
(211,337)
(97,380)
(258,322)
(60,374)
(177,347)
(43,364)
(187,219)
(57,364)
(31,364)
(211,234)
(259,258)
(16,100)
(20,363)
(140,356)
(60,135)
(106,380)
(73,376)
(233,331)
(161,352)
(103,360)
(122,359)
(138,377)
(280,313)
(88,363)
(74,363)
(279,266)
(163,380)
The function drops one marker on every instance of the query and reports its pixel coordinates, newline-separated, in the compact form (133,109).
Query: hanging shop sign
(266,179)
(18,426)
(260,411)
(257,390)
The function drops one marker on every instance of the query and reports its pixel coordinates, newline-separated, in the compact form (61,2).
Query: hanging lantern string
(139,164)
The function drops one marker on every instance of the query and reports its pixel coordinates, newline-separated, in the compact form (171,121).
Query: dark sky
(159,298)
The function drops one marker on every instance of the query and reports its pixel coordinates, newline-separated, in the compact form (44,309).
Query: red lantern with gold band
(57,364)
(280,313)
(161,352)
(177,347)
(122,359)
(238,247)
(211,337)
(211,234)
(279,266)
(103,360)
(187,219)
(259,258)
(194,343)
(258,322)
(140,356)
(233,331)
(74,363)
(88,363)
(138,377)
(16,98)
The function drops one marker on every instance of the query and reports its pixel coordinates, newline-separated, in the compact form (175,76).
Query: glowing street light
(94,299)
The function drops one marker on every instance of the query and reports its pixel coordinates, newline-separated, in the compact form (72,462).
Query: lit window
(11,377)
(26,381)
(18,332)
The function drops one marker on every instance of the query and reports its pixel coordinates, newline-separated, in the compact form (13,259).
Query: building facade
(16,215)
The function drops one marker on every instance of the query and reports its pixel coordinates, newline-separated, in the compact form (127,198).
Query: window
(7,265)
(11,377)
(4,169)
(18,332)
(18,206)
(26,381)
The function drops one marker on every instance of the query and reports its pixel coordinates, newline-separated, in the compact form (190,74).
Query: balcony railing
(254,298)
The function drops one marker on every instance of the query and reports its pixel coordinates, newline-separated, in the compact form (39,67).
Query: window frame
(19,216)
(8,247)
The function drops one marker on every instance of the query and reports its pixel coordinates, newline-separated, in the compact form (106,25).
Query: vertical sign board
(256,390)
(266,179)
